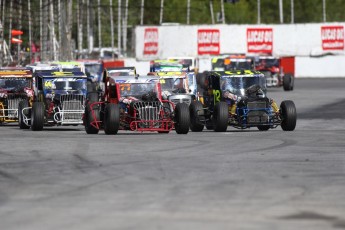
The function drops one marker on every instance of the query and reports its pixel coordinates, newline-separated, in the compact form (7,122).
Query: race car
(69,66)
(134,104)
(15,86)
(59,99)
(43,67)
(166,66)
(228,62)
(175,87)
(275,77)
(187,62)
(119,72)
(238,99)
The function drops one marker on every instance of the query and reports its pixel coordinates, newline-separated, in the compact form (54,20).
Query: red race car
(133,104)
(273,70)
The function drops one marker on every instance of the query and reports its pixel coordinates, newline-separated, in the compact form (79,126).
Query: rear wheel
(288,82)
(37,116)
(196,110)
(21,106)
(91,116)
(182,118)
(221,117)
(111,119)
(288,115)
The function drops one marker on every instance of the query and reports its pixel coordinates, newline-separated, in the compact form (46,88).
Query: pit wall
(318,48)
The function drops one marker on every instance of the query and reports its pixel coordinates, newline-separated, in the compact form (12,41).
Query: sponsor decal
(208,41)
(259,40)
(332,37)
(151,41)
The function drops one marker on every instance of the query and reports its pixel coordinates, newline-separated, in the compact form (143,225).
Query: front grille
(72,106)
(257,113)
(148,112)
(12,103)
(257,117)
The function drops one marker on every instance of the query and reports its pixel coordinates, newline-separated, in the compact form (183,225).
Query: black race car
(238,99)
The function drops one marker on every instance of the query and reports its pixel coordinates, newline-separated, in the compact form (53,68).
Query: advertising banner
(332,37)
(208,41)
(259,40)
(150,41)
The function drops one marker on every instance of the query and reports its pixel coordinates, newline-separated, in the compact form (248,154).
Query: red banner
(259,40)
(332,37)
(151,41)
(208,41)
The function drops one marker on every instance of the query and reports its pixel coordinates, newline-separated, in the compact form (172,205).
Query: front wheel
(91,116)
(196,110)
(37,116)
(288,115)
(288,82)
(111,119)
(221,117)
(21,106)
(182,118)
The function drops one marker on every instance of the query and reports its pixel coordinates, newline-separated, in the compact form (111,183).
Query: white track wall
(304,41)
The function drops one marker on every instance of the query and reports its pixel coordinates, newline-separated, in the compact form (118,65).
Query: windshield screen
(15,84)
(136,89)
(65,84)
(117,73)
(167,67)
(238,85)
(172,85)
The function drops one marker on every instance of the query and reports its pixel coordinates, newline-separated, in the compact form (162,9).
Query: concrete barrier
(326,66)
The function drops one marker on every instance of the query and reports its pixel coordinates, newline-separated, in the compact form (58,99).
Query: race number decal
(216,95)
(125,87)
(48,84)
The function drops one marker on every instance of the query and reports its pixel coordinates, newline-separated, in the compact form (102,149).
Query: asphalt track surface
(62,178)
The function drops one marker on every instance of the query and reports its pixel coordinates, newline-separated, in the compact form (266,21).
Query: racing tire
(196,110)
(288,82)
(220,117)
(111,119)
(37,116)
(288,115)
(22,104)
(182,118)
(263,127)
(88,116)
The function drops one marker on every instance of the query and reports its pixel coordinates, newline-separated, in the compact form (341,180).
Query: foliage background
(242,12)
